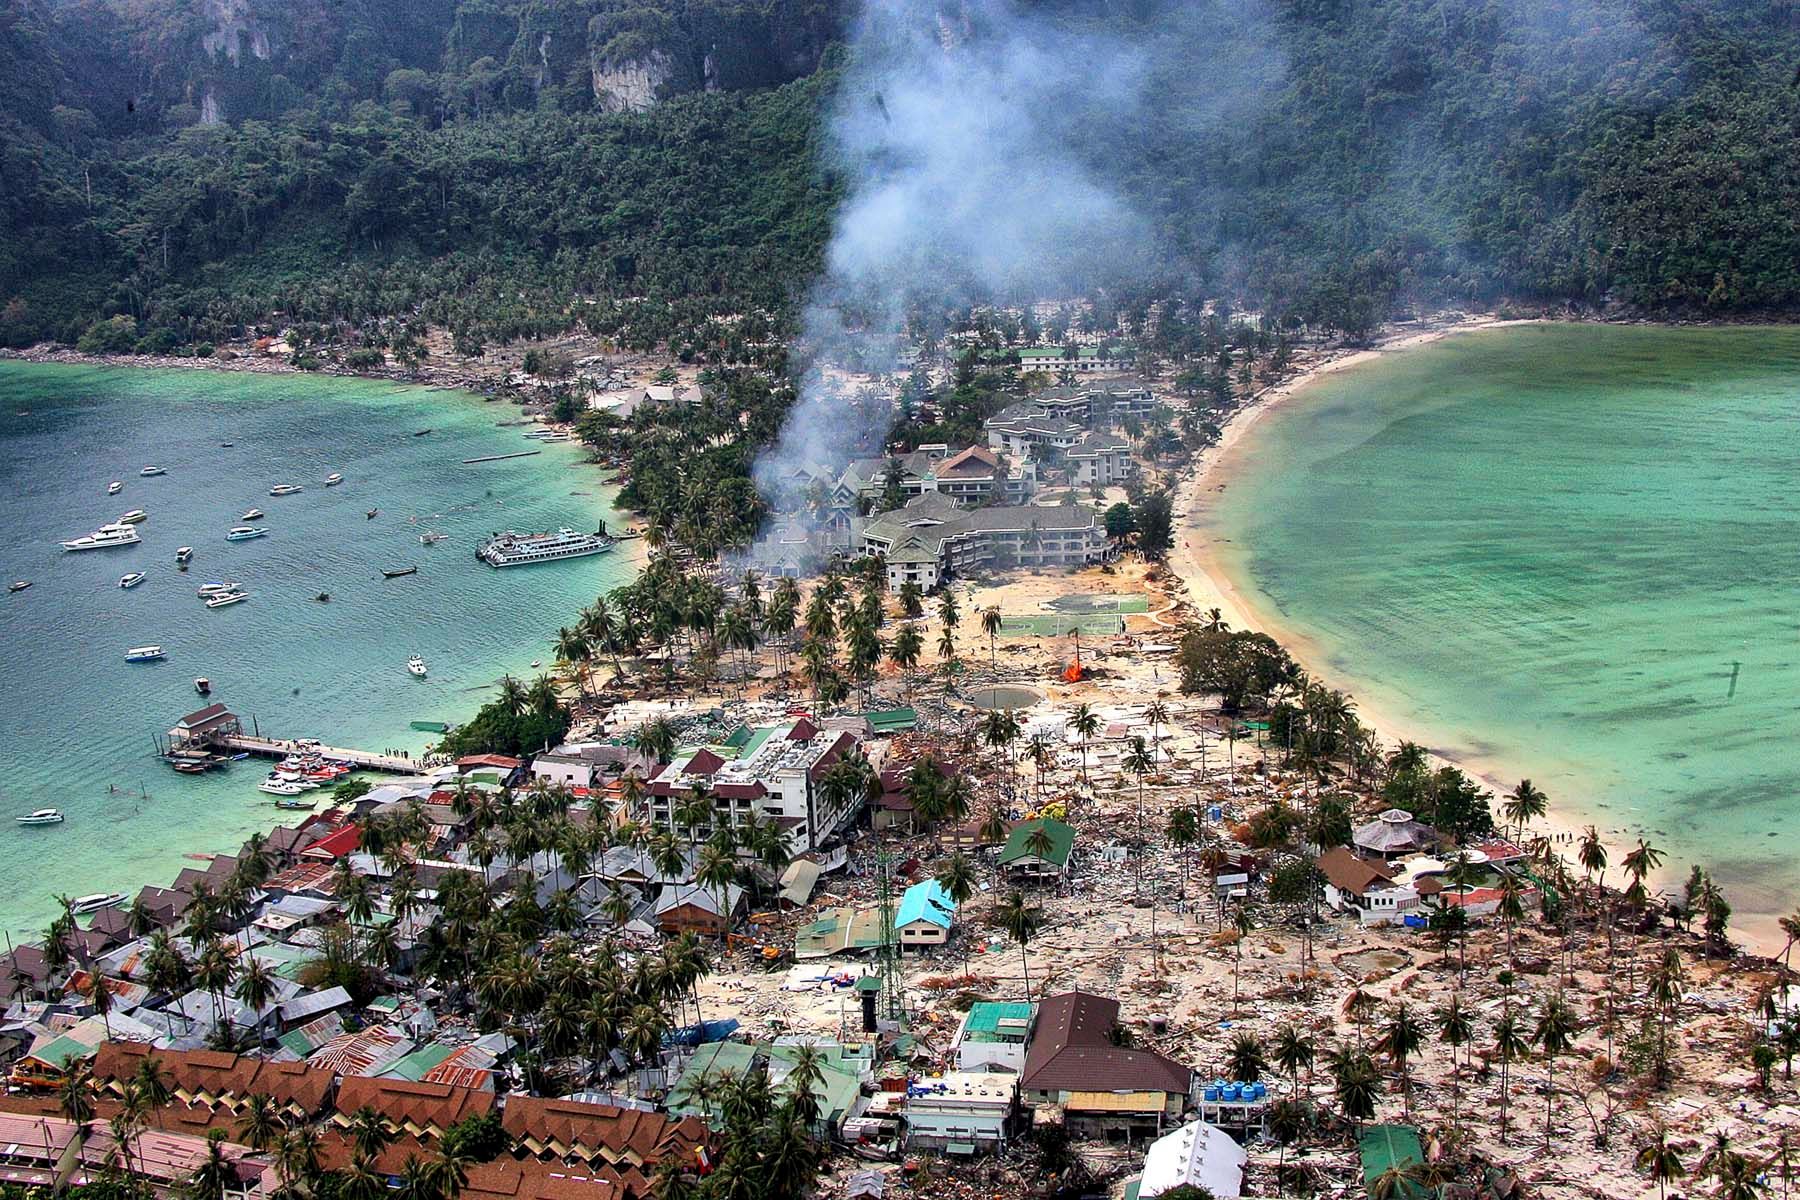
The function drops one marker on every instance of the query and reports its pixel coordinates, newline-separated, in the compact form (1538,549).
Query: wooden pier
(215,733)
(500,457)
(262,747)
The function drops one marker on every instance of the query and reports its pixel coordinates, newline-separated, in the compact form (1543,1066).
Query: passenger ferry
(511,549)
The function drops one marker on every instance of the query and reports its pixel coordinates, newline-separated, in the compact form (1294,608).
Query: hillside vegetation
(654,168)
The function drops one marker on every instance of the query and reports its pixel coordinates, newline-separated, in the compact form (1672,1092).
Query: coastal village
(1067,889)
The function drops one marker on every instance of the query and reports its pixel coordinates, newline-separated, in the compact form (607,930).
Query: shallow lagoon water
(1565,552)
(79,720)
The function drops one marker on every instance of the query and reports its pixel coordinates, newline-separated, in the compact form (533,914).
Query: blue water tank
(1210,1094)
(1215,813)
(1260,1089)
(1231,1091)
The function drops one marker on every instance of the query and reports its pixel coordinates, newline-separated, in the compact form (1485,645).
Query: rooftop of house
(212,1074)
(1062,841)
(1071,1049)
(926,901)
(1346,872)
(998,1021)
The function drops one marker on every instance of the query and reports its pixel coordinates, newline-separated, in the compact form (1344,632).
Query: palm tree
(1509,1043)
(512,695)
(1400,1041)
(150,1082)
(1140,763)
(1020,922)
(946,648)
(957,878)
(1592,855)
(1660,1161)
(1357,1084)
(1288,1120)
(260,1124)
(1524,805)
(1398,1182)
(215,1175)
(297,1159)
(1294,1049)
(990,625)
(1245,1060)
(1555,1033)
(1084,724)
(75,1093)
(213,974)
(1455,1029)
(449,1169)
(255,984)
(1184,831)
(369,1132)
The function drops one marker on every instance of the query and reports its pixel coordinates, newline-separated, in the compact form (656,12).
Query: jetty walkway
(262,747)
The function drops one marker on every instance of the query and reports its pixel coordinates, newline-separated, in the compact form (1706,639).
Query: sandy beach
(1199,561)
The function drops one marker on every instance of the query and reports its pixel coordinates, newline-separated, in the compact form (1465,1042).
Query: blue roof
(927,901)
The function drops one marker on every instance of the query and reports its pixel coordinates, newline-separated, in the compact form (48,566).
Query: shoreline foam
(1200,560)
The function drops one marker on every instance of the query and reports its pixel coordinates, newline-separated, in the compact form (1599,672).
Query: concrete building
(771,773)
(992,1036)
(1367,888)
(1100,460)
(1020,429)
(970,477)
(932,539)
(962,1113)
(1196,1155)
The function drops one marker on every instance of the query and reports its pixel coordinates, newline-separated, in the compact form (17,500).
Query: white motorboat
(134,517)
(431,537)
(255,514)
(244,533)
(285,489)
(183,553)
(131,580)
(43,816)
(115,487)
(144,654)
(154,471)
(203,685)
(18,585)
(95,902)
(281,787)
(333,479)
(215,589)
(416,665)
(106,537)
(226,599)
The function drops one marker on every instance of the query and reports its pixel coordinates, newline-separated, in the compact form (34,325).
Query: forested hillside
(645,166)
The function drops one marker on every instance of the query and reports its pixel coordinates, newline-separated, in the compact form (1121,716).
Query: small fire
(1075,672)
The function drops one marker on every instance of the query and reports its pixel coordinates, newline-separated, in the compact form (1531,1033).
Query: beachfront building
(1024,429)
(1393,834)
(1082,360)
(1023,858)
(971,477)
(992,1036)
(931,539)
(925,915)
(771,773)
(1103,1089)
(1100,460)
(52,1153)
(1367,888)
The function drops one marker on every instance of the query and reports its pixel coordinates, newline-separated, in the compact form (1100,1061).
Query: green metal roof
(61,1051)
(985,1016)
(892,720)
(1062,841)
(738,737)
(414,1066)
(1385,1146)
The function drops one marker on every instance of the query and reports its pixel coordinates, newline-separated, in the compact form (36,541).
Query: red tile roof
(569,1129)
(704,763)
(419,1108)
(211,1078)
(336,844)
(489,760)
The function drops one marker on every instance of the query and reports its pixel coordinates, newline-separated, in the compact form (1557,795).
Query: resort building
(1104,1090)
(1020,429)
(1369,889)
(1082,360)
(931,539)
(1100,460)
(1024,856)
(1394,833)
(771,773)
(1197,1155)
(971,477)
(925,915)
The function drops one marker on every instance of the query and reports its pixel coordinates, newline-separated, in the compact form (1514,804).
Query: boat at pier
(511,549)
(298,803)
(144,654)
(95,902)
(276,786)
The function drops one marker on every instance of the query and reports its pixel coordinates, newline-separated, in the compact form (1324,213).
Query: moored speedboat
(18,585)
(203,685)
(398,572)
(417,666)
(254,514)
(183,553)
(285,489)
(134,516)
(280,787)
(215,589)
(226,599)
(115,487)
(99,900)
(131,580)
(154,471)
(431,537)
(43,816)
(144,654)
(244,533)
(333,479)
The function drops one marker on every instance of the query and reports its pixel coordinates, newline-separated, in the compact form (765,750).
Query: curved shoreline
(1200,561)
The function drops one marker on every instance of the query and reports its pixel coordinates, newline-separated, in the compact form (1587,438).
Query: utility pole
(890,940)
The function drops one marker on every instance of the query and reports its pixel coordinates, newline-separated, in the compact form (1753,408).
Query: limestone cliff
(631,85)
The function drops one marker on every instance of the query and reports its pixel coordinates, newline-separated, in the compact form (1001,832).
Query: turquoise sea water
(79,720)
(1571,553)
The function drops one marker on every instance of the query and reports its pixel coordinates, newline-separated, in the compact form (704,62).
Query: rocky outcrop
(233,28)
(632,85)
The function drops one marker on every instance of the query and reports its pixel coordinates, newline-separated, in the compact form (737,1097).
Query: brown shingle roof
(211,1078)
(505,1179)
(1348,873)
(422,1109)
(1071,1050)
(567,1129)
